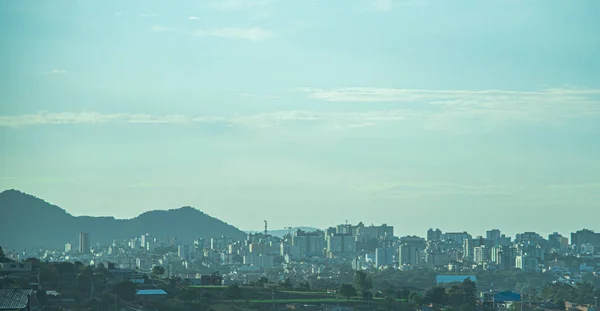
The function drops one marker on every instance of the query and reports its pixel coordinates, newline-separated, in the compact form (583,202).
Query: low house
(151,294)
(503,297)
(577,307)
(212,279)
(15,267)
(15,299)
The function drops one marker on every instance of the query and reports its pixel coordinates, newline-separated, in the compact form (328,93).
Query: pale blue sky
(462,114)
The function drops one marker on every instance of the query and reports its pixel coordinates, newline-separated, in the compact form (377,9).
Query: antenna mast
(266,228)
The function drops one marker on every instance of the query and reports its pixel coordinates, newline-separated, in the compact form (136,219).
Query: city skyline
(470,114)
(331,223)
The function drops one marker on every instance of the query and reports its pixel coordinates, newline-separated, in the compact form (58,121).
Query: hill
(30,222)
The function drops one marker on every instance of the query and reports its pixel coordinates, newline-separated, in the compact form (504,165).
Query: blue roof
(507,296)
(440,279)
(150,292)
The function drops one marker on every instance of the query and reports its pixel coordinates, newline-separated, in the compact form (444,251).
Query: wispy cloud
(260,120)
(426,189)
(193,18)
(251,34)
(534,105)
(237,5)
(55,72)
(148,15)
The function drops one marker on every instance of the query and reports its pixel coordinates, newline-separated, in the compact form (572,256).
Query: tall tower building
(84,243)
(409,255)
(434,235)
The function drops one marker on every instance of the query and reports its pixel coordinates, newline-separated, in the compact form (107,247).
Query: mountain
(29,222)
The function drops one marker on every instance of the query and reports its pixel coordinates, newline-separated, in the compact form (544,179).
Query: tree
(48,276)
(388,288)
(305,286)
(41,297)
(367,295)
(362,281)
(124,290)
(469,290)
(415,298)
(584,293)
(347,291)
(287,284)
(402,293)
(454,296)
(561,304)
(158,271)
(436,295)
(262,281)
(3,256)
(389,303)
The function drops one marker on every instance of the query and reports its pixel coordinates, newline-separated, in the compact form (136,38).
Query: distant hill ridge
(29,222)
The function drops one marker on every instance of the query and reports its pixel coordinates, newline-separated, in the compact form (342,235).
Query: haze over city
(462,115)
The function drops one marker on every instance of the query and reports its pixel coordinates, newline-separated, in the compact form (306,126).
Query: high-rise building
(493,235)
(309,243)
(220,244)
(84,243)
(413,240)
(585,236)
(456,237)
(502,256)
(529,238)
(434,235)
(143,239)
(183,252)
(526,263)
(384,256)
(340,244)
(409,255)
(68,247)
(481,254)
(468,248)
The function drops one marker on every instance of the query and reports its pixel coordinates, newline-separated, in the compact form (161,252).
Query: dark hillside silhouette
(27,222)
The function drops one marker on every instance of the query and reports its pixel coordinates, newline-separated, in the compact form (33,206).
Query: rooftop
(14,298)
(440,279)
(150,292)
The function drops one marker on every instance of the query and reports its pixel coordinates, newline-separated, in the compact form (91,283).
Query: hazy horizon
(462,115)
(332,223)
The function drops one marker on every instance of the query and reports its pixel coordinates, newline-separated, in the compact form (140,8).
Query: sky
(458,115)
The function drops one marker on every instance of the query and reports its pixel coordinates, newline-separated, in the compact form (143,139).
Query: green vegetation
(124,290)
(3,256)
(158,271)
(348,291)
(94,288)
(315,300)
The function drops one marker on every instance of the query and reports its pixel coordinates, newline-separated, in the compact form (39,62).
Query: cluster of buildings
(361,246)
